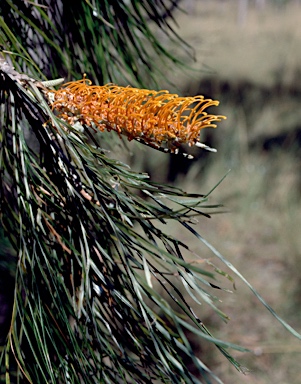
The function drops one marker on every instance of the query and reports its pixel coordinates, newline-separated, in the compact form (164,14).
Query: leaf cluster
(91,257)
(109,40)
(89,233)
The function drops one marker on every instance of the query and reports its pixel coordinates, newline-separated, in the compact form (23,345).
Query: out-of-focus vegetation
(251,62)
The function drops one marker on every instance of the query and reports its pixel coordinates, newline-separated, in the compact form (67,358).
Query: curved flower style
(145,115)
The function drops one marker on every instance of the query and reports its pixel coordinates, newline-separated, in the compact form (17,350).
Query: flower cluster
(146,115)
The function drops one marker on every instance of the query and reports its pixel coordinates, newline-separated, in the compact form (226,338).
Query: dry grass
(260,234)
(264,49)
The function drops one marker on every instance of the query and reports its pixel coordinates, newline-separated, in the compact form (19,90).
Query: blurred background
(249,58)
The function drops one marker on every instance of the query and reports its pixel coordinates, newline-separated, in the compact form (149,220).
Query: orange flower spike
(184,107)
(199,113)
(151,116)
(165,112)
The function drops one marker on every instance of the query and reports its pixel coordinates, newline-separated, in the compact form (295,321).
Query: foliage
(89,253)
(87,230)
(108,40)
